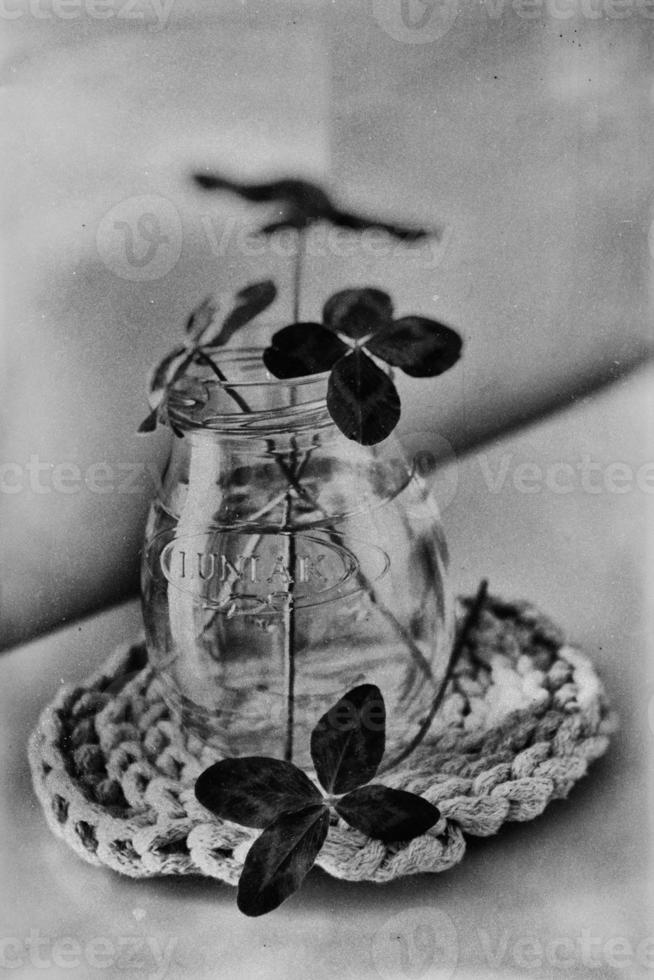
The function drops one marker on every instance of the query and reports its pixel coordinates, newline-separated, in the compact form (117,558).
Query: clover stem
(293,472)
(289,632)
(457,649)
(234,395)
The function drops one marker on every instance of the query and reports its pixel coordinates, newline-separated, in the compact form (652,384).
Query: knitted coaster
(524,716)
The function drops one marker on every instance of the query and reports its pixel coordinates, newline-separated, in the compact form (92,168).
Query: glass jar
(285,564)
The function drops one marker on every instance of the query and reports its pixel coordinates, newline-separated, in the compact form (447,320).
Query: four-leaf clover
(347,746)
(358,323)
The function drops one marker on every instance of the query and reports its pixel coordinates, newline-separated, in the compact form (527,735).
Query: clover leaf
(357,323)
(203,338)
(347,747)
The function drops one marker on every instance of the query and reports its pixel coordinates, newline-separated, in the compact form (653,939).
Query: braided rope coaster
(524,716)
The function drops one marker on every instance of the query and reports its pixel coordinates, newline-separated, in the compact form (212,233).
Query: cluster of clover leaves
(347,747)
(359,341)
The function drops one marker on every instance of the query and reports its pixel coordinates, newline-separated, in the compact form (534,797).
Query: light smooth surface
(567,895)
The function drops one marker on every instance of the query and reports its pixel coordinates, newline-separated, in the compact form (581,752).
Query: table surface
(566,895)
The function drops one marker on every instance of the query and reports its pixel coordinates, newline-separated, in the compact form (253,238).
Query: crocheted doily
(524,716)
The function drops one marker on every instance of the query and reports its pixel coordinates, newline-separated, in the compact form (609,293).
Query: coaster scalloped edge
(524,716)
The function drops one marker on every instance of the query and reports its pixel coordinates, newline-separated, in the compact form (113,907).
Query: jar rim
(260,400)
(233,354)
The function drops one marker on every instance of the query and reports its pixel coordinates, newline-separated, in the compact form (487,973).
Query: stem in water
(293,473)
(457,649)
(234,395)
(289,633)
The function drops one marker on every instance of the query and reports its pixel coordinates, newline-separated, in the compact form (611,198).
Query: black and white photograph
(327,490)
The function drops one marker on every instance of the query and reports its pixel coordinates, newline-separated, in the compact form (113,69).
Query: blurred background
(524,131)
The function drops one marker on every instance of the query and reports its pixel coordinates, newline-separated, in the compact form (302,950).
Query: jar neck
(308,478)
(254,449)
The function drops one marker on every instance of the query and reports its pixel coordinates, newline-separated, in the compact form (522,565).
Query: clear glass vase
(285,564)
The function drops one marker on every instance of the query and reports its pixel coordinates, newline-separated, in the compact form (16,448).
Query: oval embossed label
(239,573)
